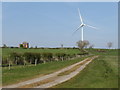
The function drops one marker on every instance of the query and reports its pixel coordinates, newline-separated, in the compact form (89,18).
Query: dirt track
(55,78)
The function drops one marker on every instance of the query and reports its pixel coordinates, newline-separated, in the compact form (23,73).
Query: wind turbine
(83,25)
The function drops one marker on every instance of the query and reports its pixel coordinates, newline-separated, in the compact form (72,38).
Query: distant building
(24,45)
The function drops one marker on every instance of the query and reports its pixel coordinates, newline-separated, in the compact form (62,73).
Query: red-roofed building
(24,45)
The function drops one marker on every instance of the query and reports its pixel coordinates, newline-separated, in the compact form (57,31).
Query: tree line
(36,58)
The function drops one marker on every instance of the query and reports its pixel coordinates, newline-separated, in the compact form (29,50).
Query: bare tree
(4,45)
(36,47)
(61,45)
(109,44)
(86,43)
(91,46)
(82,44)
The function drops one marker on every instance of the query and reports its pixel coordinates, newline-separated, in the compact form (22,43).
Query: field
(32,71)
(7,51)
(20,56)
(101,73)
(21,73)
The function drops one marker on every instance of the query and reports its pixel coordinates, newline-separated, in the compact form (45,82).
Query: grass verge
(100,73)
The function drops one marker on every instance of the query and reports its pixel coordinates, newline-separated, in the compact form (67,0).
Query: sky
(50,24)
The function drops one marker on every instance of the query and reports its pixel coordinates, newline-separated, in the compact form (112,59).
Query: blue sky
(51,24)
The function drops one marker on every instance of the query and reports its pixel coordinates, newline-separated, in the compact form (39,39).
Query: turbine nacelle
(82,25)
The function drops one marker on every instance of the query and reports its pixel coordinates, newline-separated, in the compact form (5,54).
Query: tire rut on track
(55,78)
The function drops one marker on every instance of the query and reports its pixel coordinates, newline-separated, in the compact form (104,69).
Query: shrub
(50,56)
(31,57)
(60,56)
(4,61)
(16,58)
(28,56)
(38,57)
(83,53)
(47,56)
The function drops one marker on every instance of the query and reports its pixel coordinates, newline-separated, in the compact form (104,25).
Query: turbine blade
(91,26)
(80,16)
(77,29)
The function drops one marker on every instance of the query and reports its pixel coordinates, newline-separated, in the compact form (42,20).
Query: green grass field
(21,73)
(101,73)
(7,51)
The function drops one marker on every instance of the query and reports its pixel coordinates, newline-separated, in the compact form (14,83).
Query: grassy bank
(101,73)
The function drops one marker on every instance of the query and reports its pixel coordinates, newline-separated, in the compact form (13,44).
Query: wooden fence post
(9,65)
(24,61)
(35,62)
(9,62)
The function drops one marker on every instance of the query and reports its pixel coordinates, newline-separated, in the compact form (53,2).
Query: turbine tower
(82,25)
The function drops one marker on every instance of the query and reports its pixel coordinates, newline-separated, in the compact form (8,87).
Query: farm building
(24,45)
